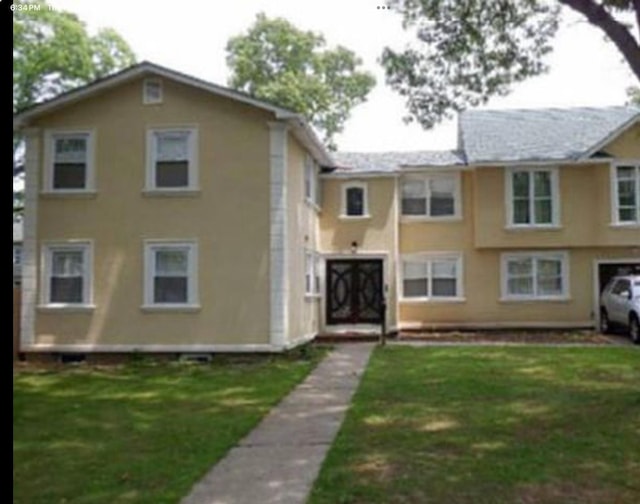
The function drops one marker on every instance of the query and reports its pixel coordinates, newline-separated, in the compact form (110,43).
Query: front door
(354,291)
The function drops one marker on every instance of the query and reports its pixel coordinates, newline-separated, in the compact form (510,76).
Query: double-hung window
(311,273)
(537,275)
(311,186)
(432,277)
(432,196)
(172,159)
(626,193)
(70,165)
(67,274)
(171,274)
(532,197)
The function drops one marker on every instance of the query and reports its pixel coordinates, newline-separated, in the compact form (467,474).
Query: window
(70,165)
(152,91)
(432,277)
(171,274)
(535,276)
(67,272)
(311,273)
(17,254)
(434,196)
(172,160)
(310,180)
(532,197)
(626,193)
(354,200)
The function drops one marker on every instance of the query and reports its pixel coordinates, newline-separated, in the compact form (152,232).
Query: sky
(190,36)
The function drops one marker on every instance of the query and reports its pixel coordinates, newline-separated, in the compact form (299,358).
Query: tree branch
(636,6)
(616,31)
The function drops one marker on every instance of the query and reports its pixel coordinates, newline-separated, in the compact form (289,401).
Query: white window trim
(86,246)
(613,175)
(431,256)
(365,197)
(49,158)
(563,256)
(150,178)
(311,258)
(311,201)
(457,197)
(555,197)
(149,274)
(146,99)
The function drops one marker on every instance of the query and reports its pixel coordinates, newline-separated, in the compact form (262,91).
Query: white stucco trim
(159,348)
(128,348)
(278,236)
(29,252)
(578,324)
(300,341)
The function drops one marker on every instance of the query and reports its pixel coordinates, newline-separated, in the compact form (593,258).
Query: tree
(52,53)
(634,95)
(277,62)
(471,50)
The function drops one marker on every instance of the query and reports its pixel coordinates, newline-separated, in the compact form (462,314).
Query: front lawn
(140,433)
(490,425)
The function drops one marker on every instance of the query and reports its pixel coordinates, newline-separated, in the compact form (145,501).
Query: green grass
(490,425)
(140,433)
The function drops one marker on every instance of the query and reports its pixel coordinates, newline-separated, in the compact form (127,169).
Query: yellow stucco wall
(304,311)
(627,145)
(585,212)
(374,235)
(482,304)
(229,218)
(585,233)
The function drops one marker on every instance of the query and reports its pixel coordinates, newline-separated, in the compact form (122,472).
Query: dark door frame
(354,298)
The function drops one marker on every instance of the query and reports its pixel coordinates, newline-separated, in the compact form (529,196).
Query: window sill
(354,217)
(90,194)
(171,193)
(409,219)
(312,205)
(67,308)
(555,299)
(625,225)
(312,297)
(551,227)
(436,300)
(171,308)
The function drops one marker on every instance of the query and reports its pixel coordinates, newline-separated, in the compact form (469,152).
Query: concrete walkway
(279,460)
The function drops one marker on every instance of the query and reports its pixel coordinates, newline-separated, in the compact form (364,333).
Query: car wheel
(634,329)
(605,325)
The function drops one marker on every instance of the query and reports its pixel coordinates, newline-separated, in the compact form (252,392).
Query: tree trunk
(618,33)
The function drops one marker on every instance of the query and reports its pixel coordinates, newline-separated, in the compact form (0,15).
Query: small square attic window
(152,91)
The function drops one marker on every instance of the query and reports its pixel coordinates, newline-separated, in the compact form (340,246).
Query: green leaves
(470,50)
(277,62)
(467,51)
(52,53)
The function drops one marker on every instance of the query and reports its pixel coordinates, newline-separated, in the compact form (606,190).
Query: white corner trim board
(29,252)
(278,239)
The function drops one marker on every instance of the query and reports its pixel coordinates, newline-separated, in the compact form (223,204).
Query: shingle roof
(539,134)
(389,162)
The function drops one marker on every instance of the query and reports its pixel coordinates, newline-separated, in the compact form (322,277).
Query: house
(167,214)
(17,251)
